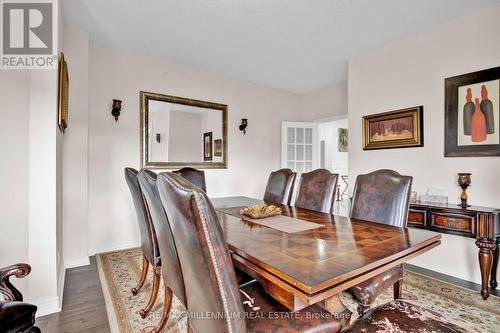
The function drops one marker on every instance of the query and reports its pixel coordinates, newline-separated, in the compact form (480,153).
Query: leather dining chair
(149,243)
(317,191)
(208,273)
(171,270)
(279,186)
(382,196)
(196,177)
(403,316)
(15,315)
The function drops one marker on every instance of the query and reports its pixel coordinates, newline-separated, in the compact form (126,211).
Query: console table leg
(486,247)
(494,267)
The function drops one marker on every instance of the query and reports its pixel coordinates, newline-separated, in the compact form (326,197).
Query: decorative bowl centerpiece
(261,211)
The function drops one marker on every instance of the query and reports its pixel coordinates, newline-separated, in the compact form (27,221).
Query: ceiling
(293,45)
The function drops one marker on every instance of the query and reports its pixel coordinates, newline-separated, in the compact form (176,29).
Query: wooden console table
(481,223)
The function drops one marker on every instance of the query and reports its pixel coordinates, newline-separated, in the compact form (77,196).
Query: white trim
(76,262)
(47,306)
(60,288)
(112,248)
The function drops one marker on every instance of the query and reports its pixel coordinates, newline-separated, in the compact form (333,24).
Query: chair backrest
(149,243)
(382,196)
(196,177)
(171,269)
(279,187)
(206,264)
(317,190)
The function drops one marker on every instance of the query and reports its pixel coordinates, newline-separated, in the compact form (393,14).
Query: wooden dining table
(314,266)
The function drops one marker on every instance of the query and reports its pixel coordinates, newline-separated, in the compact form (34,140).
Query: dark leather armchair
(382,196)
(279,187)
(149,243)
(317,190)
(208,273)
(196,177)
(15,315)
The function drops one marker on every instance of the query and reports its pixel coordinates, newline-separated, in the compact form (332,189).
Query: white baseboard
(76,262)
(47,306)
(116,247)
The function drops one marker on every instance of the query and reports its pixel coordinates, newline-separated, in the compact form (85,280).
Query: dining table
(309,257)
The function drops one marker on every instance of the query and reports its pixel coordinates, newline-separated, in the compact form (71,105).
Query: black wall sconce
(243,126)
(158,137)
(116,108)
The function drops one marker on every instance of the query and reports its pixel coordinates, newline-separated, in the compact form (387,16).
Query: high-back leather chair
(208,273)
(382,196)
(149,243)
(171,270)
(317,190)
(279,187)
(196,177)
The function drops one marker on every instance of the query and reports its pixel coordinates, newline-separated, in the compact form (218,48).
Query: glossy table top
(320,258)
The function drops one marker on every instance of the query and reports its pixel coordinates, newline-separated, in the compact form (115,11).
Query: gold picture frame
(62,98)
(402,128)
(145,97)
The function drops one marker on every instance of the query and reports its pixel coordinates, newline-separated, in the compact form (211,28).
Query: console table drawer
(417,218)
(453,223)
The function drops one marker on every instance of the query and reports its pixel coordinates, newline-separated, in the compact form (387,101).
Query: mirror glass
(179,132)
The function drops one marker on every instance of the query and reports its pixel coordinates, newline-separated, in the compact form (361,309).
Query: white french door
(299,146)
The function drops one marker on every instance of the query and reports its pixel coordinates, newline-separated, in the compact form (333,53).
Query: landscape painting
(207,146)
(395,129)
(343,140)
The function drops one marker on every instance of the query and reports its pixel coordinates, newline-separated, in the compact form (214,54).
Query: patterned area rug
(119,272)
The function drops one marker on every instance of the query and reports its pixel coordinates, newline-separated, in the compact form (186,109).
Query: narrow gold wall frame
(62,94)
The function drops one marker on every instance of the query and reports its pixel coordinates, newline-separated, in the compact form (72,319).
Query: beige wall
(324,103)
(185,137)
(411,72)
(115,145)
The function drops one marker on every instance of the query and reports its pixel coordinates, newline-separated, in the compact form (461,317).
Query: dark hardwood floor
(83,309)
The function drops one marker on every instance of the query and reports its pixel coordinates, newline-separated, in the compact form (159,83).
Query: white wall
(14,150)
(75,150)
(411,72)
(335,161)
(115,145)
(324,103)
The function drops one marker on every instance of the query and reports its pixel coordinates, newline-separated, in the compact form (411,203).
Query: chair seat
(366,292)
(405,317)
(16,316)
(264,314)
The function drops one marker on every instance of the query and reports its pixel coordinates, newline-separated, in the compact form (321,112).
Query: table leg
(335,306)
(494,267)
(486,247)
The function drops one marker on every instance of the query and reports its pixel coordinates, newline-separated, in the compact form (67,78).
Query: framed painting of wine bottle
(472,114)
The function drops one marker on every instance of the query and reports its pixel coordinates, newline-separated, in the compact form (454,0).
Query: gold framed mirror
(181,132)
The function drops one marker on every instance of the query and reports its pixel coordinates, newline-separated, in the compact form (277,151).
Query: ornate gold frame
(62,94)
(144,97)
(417,114)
